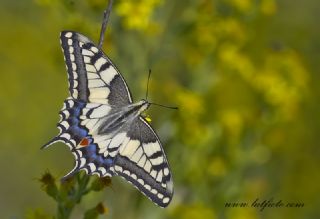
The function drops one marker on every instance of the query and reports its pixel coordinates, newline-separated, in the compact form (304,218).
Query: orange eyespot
(84,142)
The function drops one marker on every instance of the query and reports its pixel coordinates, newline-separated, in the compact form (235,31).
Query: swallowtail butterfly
(103,127)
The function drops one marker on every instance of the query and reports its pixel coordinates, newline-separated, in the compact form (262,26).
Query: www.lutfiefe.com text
(262,204)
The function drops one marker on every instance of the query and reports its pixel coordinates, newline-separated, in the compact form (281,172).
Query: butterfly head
(144,105)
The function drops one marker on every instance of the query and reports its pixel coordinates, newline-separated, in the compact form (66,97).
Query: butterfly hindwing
(77,131)
(141,161)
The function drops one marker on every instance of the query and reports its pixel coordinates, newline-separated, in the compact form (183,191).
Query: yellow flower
(195,211)
(191,102)
(217,167)
(268,7)
(137,14)
(283,81)
(242,213)
(233,122)
(242,5)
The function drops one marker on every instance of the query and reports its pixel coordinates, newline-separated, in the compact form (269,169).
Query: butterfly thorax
(141,106)
(122,117)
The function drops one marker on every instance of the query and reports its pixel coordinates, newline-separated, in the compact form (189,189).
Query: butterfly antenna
(148,84)
(105,20)
(169,107)
(157,104)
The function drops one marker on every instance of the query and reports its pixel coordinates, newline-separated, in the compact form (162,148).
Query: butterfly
(102,126)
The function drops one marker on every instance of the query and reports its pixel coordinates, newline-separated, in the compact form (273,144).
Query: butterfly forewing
(92,76)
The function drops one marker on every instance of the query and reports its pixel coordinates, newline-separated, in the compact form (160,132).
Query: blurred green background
(244,73)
